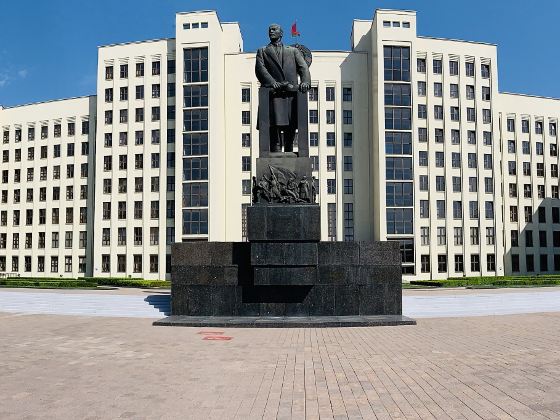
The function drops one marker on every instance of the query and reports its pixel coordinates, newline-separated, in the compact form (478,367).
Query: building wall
(531,208)
(51,167)
(132,218)
(472,173)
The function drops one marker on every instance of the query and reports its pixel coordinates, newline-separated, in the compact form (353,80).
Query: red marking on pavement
(217,337)
(210,332)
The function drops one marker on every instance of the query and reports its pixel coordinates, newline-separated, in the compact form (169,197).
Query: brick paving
(74,367)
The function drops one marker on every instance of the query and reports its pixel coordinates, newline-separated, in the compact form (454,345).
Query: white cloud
(23,73)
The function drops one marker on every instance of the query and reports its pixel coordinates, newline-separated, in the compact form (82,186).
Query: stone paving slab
(73,367)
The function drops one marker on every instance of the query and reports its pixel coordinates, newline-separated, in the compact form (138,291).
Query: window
(456,180)
(423,182)
(440,209)
(313,94)
(330,116)
(454,90)
(442,263)
(313,116)
(473,209)
(195,221)
(438,135)
(423,158)
(471,160)
(329,91)
(475,239)
(331,186)
(331,163)
(469,69)
(471,115)
(396,63)
(487,161)
(424,263)
(422,134)
(437,66)
(424,209)
(347,163)
(154,236)
(124,71)
(108,72)
(538,127)
(331,139)
(313,139)
(245,117)
(399,221)
(438,90)
(440,160)
(438,112)
(155,68)
(458,236)
(422,111)
(195,194)
(348,186)
(530,262)
(457,209)
(245,186)
(425,235)
(347,94)
(399,168)
(485,93)
(454,113)
(195,65)
(475,262)
(421,65)
(421,88)
(455,160)
(397,94)
(246,163)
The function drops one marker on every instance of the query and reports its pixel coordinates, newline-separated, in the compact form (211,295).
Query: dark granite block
(371,299)
(298,166)
(380,253)
(346,299)
(272,309)
(321,300)
(338,274)
(285,276)
(284,223)
(225,300)
(210,253)
(380,273)
(205,275)
(277,253)
(339,253)
(191,300)
(297,309)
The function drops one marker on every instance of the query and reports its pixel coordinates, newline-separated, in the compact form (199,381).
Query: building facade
(409,136)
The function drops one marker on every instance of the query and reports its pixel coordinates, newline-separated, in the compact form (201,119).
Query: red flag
(294,29)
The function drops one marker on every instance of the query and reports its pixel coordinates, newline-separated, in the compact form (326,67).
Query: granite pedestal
(284,271)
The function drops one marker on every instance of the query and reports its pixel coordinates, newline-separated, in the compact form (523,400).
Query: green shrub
(126,282)
(499,281)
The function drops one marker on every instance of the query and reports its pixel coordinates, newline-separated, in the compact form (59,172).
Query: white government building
(410,138)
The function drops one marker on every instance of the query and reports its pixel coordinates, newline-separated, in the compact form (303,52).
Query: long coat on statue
(282,64)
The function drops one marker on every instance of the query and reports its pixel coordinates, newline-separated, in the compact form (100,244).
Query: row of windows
(138,185)
(543,238)
(137,236)
(439,136)
(136,266)
(526,148)
(528,210)
(138,209)
(43,194)
(330,116)
(42,238)
(313,94)
(454,113)
(458,263)
(139,115)
(437,67)
(123,70)
(138,161)
(55,216)
(44,152)
(530,262)
(41,264)
(454,91)
(441,213)
(552,127)
(456,183)
(139,137)
(441,235)
(139,92)
(526,166)
(43,171)
(456,159)
(71,131)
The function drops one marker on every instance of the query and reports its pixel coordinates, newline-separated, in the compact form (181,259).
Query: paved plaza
(88,367)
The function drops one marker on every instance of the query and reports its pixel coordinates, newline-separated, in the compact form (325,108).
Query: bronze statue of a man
(277,67)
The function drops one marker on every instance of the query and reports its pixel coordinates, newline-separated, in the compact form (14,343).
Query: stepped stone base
(285,321)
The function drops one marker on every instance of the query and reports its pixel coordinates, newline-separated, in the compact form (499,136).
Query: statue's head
(275,32)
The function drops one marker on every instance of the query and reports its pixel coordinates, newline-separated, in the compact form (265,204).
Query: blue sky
(48,48)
